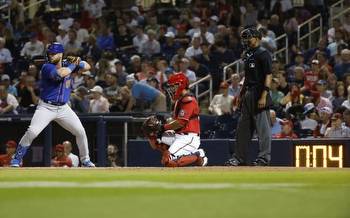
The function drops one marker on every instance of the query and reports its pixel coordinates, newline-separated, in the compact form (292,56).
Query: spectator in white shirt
(8,102)
(62,36)
(206,37)
(151,46)
(5,54)
(139,39)
(94,7)
(337,130)
(221,103)
(309,123)
(68,150)
(195,49)
(184,63)
(82,33)
(325,114)
(73,46)
(98,103)
(196,21)
(33,48)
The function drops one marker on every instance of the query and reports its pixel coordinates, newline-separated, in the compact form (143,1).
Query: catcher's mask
(52,49)
(176,84)
(247,35)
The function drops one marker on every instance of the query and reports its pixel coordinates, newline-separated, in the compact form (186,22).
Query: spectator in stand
(321,56)
(298,76)
(82,33)
(5,159)
(181,36)
(199,69)
(6,81)
(346,24)
(341,94)
(5,54)
(73,46)
(196,21)
(249,14)
(298,62)
(89,80)
(112,88)
(120,73)
(206,37)
(290,26)
(331,32)
(275,94)
(321,86)
(113,159)
(346,103)
(325,120)
(94,7)
(275,25)
(122,100)
(164,71)
(337,130)
(170,46)
(312,76)
(28,96)
(135,64)
(276,127)
(123,39)
(139,39)
(309,123)
(151,46)
(266,41)
(195,48)
(213,24)
(346,117)
(235,87)
(33,48)
(332,82)
(152,24)
(343,67)
(320,101)
(221,103)
(90,49)
(62,36)
(98,103)
(105,39)
(68,151)
(8,102)
(293,100)
(184,64)
(61,159)
(153,82)
(287,130)
(322,46)
(283,84)
(142,92)
(79,100)
(339,39)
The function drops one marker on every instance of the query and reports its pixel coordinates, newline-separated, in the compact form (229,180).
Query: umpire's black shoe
(234,162)
(260,162)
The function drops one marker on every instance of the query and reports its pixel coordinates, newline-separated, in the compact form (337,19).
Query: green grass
(249,192)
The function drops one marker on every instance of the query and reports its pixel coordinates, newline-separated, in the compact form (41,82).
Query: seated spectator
(120,73)
(61,159)
(68,151)
(346,103)
(312,76)
(337,130)
(123,39)
(276,127)
(199,69)
(287,130)
(325,120)
(336,25)
(6,81)
(5,54)
(151,46)
(320,101)
(139,39)
(340,95)
(346,117)
(184,64)
(122,100)
(8,102)
(195,23)
(5,159)
(294,98)
(221,103)
(73,46)
(276,95)
(309,122)
(170,46)
(82,33)
(206,37)
(321,87)
(153,82)
(98,103)
(298,75)
(152,24)
(113,159)
(79,100)
(94,7)
(298,62)
(195,48)
(283,84)
(338,40)
(62,36)
(105,39)
(90,49)
(112,88)
(164,71)
(33,48)
(144,93)
(267,42)
(343,67)
(28,96)
(235,88)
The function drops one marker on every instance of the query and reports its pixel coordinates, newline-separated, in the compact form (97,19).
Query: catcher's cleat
(202,159)
(17,159)
(87,163)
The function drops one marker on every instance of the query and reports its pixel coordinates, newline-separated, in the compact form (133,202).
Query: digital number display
(319,156)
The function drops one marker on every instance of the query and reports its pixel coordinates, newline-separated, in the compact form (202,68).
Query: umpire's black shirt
(257,65)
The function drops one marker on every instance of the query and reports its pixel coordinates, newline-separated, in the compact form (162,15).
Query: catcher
(178,139)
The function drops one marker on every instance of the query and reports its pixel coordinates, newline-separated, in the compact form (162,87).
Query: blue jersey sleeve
(49,71)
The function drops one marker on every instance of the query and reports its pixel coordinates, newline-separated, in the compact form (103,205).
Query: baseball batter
(183,149)
(55,89)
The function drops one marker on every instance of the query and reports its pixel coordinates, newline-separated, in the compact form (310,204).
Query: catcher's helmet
(177,83)
(55,48)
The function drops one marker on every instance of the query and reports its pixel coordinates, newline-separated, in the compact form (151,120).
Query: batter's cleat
(87,163)
(17,159)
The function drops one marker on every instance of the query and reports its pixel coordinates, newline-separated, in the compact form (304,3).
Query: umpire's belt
(53,103)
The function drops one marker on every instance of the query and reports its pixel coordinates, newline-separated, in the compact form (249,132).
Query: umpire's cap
(55,48)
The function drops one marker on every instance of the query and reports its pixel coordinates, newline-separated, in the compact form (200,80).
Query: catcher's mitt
(152,125)
(73,60)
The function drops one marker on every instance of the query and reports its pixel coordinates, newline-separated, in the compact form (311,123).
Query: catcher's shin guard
(182,161)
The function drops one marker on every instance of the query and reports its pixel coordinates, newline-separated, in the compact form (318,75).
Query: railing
(236,64)
(284,49)
(206,92)
(310,31)
(8,16)
(334,9)
(35,4)
(8,11)
(340,14)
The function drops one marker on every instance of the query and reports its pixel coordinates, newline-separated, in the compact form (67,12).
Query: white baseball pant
(184,145)
(65,117)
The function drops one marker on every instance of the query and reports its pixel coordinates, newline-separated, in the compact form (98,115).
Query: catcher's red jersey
(187,109)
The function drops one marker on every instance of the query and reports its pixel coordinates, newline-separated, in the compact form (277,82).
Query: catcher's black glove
(152,125)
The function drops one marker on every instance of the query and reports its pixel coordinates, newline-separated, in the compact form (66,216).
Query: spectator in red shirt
(10,151)
(320,101)
(61,159)
(311,77)
(287,130)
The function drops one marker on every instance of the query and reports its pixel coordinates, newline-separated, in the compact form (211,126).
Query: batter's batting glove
(73,60)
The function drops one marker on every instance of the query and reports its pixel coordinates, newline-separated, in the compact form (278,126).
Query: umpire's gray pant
(252,119)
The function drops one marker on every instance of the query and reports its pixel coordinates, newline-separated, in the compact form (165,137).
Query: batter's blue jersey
(54,88)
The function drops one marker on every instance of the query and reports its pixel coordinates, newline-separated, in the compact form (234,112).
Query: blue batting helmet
(55,48)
